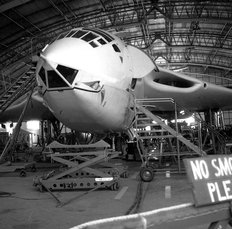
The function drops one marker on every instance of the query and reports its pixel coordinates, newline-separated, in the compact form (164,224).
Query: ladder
(23,84)
(150,128)
(171,132)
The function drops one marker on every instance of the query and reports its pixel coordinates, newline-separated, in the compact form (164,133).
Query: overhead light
(148,128)
(182,112)
(33,125)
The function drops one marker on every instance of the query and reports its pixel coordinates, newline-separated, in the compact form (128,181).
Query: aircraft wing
(36,109)
(188,92)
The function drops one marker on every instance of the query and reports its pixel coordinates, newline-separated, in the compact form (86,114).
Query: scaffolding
(158,139)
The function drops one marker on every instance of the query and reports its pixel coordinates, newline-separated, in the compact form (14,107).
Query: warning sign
(211,178)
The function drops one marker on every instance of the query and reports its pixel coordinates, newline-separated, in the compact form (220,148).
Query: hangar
(142,84)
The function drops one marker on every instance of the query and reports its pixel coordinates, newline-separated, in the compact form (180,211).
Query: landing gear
(114,186)
(146,174)
(22,173)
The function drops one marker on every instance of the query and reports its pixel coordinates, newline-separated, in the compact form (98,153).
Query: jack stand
(79,175)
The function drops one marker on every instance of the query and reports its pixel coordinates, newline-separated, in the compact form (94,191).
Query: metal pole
(177,141)
(199,134)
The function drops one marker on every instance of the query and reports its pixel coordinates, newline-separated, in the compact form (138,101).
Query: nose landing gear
(146,174)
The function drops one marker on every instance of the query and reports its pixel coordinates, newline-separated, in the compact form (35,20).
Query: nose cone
(71,52)
(77,109)
(85,104)
(91,112)
(101,61)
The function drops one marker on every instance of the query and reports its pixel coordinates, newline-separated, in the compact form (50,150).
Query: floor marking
(134,176)
(167,192)
(168,174)
(121,193)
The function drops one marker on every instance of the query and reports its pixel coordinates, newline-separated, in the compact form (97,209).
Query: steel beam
(12,4)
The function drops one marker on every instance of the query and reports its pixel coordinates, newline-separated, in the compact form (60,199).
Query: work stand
(83,170)
(159,133)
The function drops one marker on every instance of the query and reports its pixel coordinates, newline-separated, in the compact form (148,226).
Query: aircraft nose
(63,77)
(70,52)
(66,63)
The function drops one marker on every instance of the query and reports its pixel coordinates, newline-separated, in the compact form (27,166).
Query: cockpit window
(71,33)
(89,37)
(116,48)
(94,37)
(79,33)
(68,73)
(42,75)
(93,44)
(101,41)
(54,80)
(103,34)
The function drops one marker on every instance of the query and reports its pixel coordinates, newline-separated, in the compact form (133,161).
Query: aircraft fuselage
(89,78)
(87,87)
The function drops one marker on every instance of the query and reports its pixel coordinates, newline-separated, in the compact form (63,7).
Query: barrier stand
(179,216)
(210,177)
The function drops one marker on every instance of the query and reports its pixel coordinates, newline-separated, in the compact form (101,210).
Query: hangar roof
(189,36)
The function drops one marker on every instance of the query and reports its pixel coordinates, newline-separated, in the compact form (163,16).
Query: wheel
(146,174)
(22,173)
(115,172)
(33,169)
(114,186)
(124,174)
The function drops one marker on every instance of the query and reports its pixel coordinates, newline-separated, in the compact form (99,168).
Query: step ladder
(150,127)
(171,132)
(23,84)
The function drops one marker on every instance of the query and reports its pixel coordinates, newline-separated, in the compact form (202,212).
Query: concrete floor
(28,208)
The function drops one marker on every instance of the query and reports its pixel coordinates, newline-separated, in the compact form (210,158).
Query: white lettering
(230,162)
(218,173)
(212,189)
(224,166)
(104,179)
(204,169)
(227,189)
(220,197)
(200,169)
(196,170)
